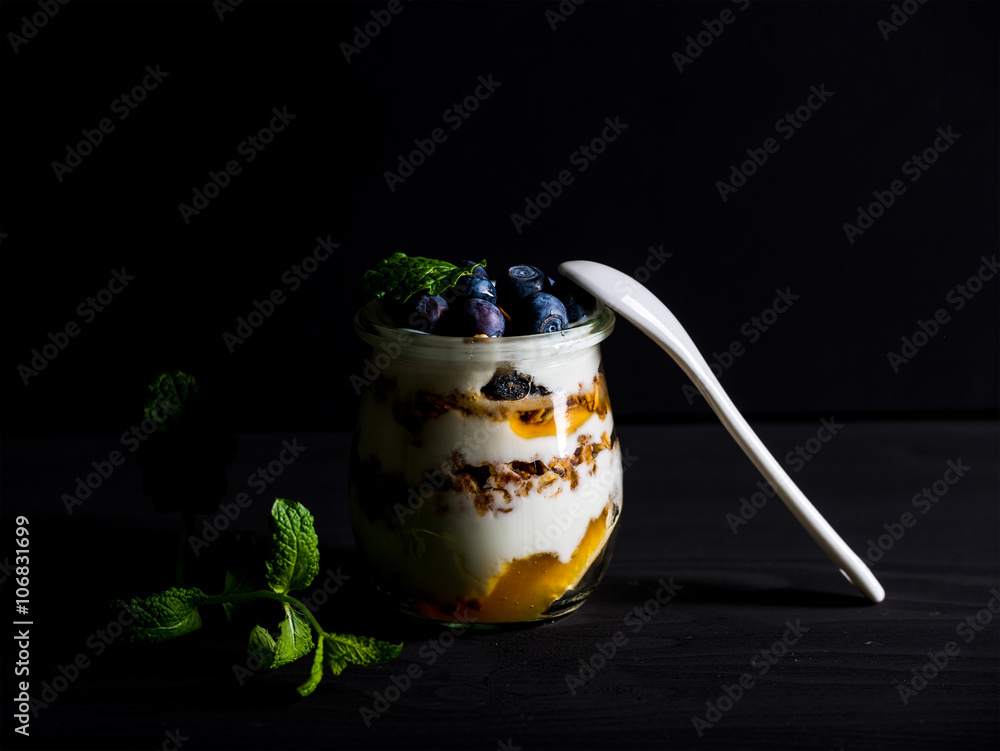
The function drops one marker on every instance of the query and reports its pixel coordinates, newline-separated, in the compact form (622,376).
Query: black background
(656,185)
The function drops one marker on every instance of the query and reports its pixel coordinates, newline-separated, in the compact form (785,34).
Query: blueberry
(511,386)
(430,310)
(520,281)
(507,387)
(541,313)
(476,286)
(579,303)
(472,316)
(422,312)
(477,271)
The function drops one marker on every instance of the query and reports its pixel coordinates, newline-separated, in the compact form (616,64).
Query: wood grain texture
(835,686)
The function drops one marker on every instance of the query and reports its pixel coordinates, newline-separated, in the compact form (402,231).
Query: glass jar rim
(588,332)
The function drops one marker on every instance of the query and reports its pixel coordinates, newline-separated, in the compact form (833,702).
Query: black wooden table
(720,624)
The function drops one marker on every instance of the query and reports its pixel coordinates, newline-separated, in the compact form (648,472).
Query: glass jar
(485,478)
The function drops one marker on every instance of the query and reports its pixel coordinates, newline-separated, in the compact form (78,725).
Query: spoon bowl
(639,306)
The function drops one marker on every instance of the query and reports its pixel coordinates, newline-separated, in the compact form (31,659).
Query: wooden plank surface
(834,683)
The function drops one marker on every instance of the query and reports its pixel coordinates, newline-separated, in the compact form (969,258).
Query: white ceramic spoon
(631,300)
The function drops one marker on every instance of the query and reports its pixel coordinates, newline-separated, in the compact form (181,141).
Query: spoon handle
(640,306)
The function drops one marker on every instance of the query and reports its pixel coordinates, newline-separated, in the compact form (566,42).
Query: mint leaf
(295,640)
(344,649)
(183,461)
(164,615)
(262,645)
(316,674)
(167,394)
(293,561)
(399,276)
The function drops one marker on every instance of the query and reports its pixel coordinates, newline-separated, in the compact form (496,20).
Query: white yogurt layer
(460,552)
(570,372)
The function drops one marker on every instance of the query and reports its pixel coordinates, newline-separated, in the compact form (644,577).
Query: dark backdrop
(888,90)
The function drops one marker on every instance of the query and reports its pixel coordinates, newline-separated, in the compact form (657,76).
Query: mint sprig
(399,277)
(292,564)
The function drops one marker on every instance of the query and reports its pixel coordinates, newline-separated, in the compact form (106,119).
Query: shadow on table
(751,590)
(786,596)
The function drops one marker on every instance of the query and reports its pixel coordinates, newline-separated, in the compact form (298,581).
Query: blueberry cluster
(522,301)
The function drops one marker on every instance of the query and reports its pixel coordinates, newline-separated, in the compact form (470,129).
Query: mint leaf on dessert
(343,650)
(293,561)
(399,276)
(164,615)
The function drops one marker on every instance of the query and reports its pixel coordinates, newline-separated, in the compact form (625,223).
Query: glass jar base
(571,601)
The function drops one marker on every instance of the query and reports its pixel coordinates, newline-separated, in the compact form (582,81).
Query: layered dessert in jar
(486,481)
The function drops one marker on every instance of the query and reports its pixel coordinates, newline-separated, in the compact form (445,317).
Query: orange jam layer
(528,586)
(553,421)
